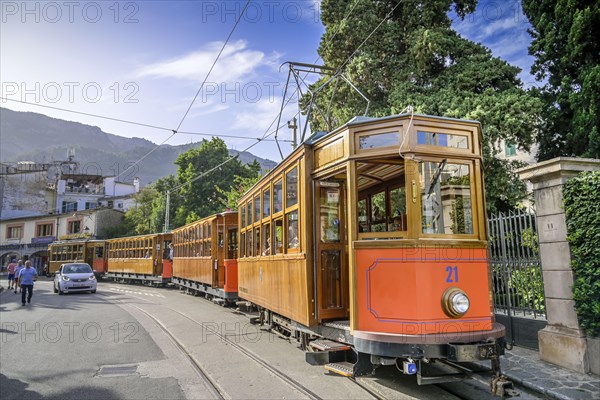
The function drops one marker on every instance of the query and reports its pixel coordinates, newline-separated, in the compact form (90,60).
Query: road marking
(135,292)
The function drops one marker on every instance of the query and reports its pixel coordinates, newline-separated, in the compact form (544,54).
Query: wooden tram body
(92,252)
(205,253)
(143,258)
(349,240)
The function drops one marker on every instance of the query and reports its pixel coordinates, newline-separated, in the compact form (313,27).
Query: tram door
(332,261)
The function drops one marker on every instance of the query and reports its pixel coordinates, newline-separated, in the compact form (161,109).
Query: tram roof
(358,120)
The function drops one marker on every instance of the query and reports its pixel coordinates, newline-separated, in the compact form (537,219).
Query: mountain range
(28,136)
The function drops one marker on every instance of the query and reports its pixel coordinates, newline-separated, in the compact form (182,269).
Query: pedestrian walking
(26,278)
(11,267)
(17,270)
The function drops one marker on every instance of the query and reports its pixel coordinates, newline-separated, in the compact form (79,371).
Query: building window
(69,206)
(74,227)
(510,149)
(91,206)
(14,232)
(110,204)
(44,230)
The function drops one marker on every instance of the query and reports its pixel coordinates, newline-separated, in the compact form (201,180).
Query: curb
(536,388)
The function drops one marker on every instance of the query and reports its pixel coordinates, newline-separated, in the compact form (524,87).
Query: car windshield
(77,269)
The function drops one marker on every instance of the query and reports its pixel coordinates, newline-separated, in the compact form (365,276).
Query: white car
(75,277)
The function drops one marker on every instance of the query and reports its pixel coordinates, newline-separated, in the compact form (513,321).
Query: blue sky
(145,60)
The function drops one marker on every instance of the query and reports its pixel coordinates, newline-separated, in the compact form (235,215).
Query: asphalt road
(135,342)
(59,347)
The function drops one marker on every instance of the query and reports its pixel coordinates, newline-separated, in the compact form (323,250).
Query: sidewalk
(525,368)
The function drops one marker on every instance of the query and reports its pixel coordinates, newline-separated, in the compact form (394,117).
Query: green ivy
(582,208)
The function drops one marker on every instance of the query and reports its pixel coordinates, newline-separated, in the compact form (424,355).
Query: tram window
(266,203)
(379,140)
(243,217)
(362,216)
(249,247)
(446,198)
(243,244)
(257,209)
(378,212)
(277,196)
(257,251)
(292,228)
(443,139)
(99,252)
(266,243)
(207,248)
(198,248)
(232,245)
(291,187)
(398,209)
(249,208)
(329,214)
(278,236)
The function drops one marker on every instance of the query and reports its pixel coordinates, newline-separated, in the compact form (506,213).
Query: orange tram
(368,245)
(92,252)
(204,257)
(144,259)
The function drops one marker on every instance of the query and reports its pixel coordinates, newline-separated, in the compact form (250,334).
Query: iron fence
(518,288)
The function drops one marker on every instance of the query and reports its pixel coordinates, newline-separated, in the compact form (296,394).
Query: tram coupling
(502,387)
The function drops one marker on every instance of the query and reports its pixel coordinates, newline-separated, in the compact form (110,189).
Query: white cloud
(259,116)
(236,62)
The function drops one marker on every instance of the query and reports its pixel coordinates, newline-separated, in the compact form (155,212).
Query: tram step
(343,368)
(328,345)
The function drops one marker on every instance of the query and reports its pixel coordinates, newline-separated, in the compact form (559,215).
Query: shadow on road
(15,389)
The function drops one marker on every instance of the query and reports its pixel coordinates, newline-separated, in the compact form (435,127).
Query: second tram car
(144,258)
(205,253)
(92,252)
(374,235)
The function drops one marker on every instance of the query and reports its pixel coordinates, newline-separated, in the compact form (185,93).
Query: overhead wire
(266,134)
(197,92)
(203,174)
(125,121)
(213,64)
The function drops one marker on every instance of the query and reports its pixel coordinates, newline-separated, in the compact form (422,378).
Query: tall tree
(415,58)
(567,58)
(200,198)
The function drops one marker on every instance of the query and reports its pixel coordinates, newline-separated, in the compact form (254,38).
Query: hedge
(581,197)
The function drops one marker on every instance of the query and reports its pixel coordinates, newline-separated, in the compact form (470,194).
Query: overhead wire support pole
(168,206)
(287,82)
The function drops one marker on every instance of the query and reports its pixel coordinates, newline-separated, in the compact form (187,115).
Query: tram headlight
(455,302)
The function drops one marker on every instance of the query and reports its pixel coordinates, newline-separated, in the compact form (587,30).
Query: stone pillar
(561,342)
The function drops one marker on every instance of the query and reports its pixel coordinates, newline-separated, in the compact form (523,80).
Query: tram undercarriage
(332,345)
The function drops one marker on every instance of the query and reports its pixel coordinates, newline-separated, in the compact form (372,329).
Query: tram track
(218,393)
(254,357)
(247,353)
(215,391)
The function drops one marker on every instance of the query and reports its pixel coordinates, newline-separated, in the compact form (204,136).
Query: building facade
(29,237)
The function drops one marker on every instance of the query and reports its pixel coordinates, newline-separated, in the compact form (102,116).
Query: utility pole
(166,227)
(292,125)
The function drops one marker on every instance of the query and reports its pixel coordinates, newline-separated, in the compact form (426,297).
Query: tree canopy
(220,182)
(415,58)
(567,59)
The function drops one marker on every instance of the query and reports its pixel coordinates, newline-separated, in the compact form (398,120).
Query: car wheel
(60,292)
(55,289)
(92,291)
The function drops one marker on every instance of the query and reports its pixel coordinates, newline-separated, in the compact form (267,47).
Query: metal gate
(518,288)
